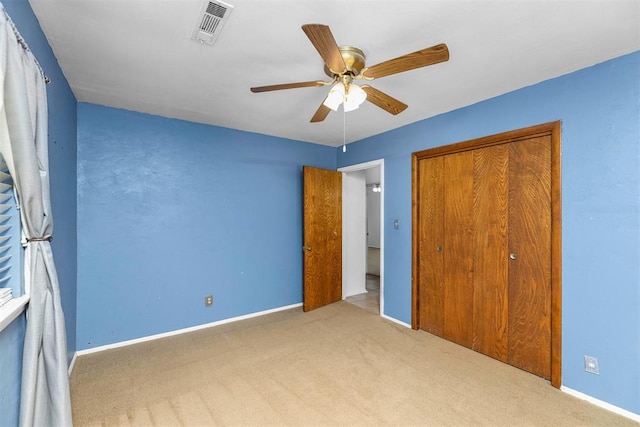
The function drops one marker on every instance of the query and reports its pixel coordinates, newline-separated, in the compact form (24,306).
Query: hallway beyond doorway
(369,300)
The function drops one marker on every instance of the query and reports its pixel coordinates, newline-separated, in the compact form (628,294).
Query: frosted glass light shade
(335,97)
(354,98)
(351,100)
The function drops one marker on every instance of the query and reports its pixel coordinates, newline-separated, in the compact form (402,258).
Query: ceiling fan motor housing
(353,58)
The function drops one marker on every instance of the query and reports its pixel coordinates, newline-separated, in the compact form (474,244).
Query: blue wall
(170,211)
(63,172)
(600,111)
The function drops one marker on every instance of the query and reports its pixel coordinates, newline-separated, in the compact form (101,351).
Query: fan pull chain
(344,130)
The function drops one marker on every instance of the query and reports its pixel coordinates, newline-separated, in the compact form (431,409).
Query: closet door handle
(307,248)
(438,248)
(513,256)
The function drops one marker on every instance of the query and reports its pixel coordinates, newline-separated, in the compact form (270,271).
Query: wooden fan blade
(422,58)
(384,101)
(321,113)
(287,86)
(325,44)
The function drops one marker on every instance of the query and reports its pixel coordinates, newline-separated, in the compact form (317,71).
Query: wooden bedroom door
(484,249)
(322,245)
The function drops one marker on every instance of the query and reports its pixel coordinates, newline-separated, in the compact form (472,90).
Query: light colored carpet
(338,365)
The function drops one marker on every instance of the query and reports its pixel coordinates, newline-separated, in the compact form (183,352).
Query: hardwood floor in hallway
(369,300)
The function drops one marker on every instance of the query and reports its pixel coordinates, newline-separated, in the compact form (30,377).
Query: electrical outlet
(208,301)
(591,364)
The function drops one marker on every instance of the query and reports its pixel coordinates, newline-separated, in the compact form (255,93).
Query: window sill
(11,310)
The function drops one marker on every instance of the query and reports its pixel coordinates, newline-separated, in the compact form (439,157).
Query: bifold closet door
(530,255)
(458,252)
(490,239)
(476,287)
(484,250)
(462,248)
(430,241)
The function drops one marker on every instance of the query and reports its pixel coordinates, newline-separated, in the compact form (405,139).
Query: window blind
(9,237)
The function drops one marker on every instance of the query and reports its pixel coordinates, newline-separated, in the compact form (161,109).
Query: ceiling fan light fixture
(350,106)
(351,98)
(335,97)
(354,97)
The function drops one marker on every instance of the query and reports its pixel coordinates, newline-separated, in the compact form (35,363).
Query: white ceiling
(138,55)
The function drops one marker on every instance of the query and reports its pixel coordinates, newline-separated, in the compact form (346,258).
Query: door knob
(307,248)
(438,248)
(513,255)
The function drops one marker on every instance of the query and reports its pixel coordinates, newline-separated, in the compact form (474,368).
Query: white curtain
(45,398)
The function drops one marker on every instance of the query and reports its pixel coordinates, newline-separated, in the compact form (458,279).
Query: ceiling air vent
(211,20)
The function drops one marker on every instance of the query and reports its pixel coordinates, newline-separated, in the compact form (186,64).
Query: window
(12,300)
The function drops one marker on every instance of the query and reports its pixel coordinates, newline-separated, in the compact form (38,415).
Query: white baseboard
(182,331)
(615,409)
(399,322)
(73,363)
(601,403)
(353,293)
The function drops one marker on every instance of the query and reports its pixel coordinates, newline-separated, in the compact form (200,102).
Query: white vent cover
(211,20)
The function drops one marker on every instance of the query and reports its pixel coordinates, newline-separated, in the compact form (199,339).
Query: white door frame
(359,167)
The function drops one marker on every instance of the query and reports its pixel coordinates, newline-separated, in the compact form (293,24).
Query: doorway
(363,235)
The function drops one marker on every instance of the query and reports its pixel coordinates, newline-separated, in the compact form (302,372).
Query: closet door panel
(458,253)
(530,255)
(490,279)
(431,229)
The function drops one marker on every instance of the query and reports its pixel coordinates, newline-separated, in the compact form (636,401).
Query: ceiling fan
(344,64)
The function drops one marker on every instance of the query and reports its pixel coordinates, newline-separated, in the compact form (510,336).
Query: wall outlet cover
(208,301)
(591,365)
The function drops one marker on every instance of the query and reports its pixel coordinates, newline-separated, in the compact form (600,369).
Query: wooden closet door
(458,252)
(430,241)
(530,255)
(494,203)
(490,276)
